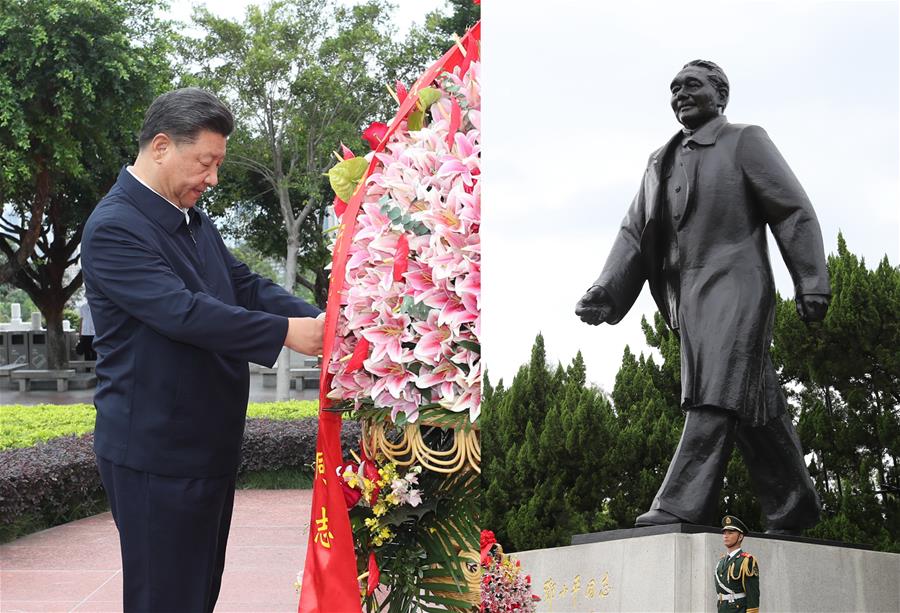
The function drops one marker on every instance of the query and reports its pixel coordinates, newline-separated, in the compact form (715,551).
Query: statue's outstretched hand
(595,306)
(812,307)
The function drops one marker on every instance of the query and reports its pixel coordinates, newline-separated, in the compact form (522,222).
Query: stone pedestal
(670,568)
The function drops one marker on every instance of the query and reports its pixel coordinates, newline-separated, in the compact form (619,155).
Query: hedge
(51,479)
(23,426)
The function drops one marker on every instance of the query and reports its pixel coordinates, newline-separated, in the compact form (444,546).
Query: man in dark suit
(696,232)
(177,319)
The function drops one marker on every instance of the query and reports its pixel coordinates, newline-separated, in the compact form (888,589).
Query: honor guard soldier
(737,575)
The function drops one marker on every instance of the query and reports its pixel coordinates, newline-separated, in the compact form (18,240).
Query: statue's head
(699,93)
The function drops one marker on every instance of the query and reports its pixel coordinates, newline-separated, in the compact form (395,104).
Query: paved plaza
(77,566)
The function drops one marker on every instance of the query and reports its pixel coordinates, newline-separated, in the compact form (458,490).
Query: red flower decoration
(401,258)
(371,473)
(455,121)
(402,92)
(487,538)
(375,133)
(360,353)
(351,495)
(340,206)
(374,574)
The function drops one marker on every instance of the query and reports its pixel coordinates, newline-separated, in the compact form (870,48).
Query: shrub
(23,426)
(48,480)
(270,444)
(58,481)
(291,409)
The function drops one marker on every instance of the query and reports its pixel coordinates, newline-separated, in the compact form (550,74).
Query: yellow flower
(379,509)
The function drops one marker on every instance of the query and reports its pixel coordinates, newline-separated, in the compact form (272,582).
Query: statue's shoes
(656,517)
(784,532)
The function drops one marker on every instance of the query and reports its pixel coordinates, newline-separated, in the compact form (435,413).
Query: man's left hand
(812,307)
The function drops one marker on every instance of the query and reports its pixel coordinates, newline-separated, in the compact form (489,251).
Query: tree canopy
(75,79)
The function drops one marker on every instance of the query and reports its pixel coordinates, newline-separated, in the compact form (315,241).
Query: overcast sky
(575,99)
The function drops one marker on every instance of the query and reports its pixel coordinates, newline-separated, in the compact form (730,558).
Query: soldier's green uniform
(737,576)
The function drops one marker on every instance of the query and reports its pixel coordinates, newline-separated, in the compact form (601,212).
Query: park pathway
(77,566)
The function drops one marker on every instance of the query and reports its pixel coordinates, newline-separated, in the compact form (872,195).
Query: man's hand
(812,307)
(595,306)
(304,335)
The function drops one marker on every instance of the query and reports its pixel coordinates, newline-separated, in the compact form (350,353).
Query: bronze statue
(696,232)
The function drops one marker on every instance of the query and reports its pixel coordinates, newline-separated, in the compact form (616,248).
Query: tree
(440,30)
(75,79)
(843,378)
(301,76)
(551,483)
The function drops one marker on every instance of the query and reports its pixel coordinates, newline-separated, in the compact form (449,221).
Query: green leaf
(429,96)
(415,120)
(470,345)
(345,176)
(419,310)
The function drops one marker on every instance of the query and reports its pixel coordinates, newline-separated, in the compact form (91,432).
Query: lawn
(25,425)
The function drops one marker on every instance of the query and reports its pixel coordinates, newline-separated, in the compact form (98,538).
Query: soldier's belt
(731,597)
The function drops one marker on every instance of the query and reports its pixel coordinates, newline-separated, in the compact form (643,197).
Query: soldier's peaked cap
(730,522)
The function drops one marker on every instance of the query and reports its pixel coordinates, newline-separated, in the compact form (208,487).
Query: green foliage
(259,263)
(25,425)
(345,176)
(9,295)
(75,80)
(283,479)
(439,29)
(844,377)
(648,425)
(291,409)
(555,480)
(421,563)
(302,77)
(29,523)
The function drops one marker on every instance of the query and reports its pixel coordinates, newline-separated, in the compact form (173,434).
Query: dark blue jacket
(177,319)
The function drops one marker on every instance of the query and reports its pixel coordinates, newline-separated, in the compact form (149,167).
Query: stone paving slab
(77,566)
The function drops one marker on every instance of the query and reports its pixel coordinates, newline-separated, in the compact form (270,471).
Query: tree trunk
(57,354)
(837,472)
(321,288)
(28,240)
(282,379)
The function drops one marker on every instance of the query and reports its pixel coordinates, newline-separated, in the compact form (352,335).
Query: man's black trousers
(773,457)
(172,533)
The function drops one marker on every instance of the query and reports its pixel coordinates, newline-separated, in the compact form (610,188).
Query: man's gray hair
(716,77)
(183,113)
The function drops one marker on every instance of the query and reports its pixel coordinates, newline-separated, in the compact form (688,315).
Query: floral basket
(406,356)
